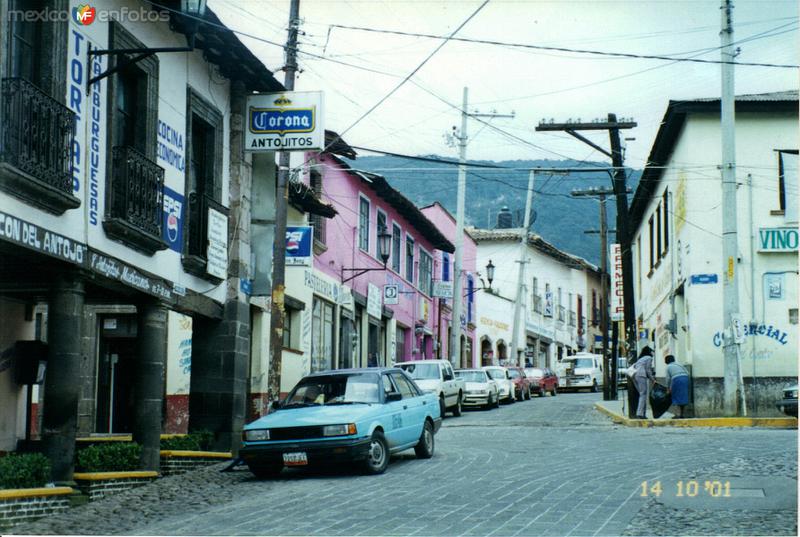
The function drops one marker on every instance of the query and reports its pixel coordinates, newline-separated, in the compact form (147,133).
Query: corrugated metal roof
(789,95)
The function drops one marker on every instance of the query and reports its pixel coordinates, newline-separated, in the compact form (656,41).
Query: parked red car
(542,380)
(522,386)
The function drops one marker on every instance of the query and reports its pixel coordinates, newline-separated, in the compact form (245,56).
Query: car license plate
(295,459)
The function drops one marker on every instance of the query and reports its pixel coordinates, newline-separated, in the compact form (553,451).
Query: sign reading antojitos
(286,121)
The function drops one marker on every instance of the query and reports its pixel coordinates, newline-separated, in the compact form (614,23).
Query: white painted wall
(695,247)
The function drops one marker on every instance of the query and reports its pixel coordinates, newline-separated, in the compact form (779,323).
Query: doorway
(115,372)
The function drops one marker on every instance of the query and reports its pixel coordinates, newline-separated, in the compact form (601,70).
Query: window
(658,233)
(595,312)
(580,313)
(445,267)
(348,342)
(665,226)
(319,222)
(363,224)
(26,44)
(787,183)
(470,296)
(425,272)
(379,228)
(405,387)
(400,344)
(652,254)
(409,259)
(287,328)
(396,248)
(537,299)
(203,175)
(321,335)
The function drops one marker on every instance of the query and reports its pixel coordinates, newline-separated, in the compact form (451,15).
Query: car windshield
(583,362)
(334,389)
(471,376)
(421,371)
(513,373)
(496,374)
(534,372)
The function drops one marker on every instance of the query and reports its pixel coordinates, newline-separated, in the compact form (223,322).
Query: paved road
(550,466)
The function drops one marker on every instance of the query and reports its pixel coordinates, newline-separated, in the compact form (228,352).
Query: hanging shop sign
(173,220)
(617,296)
(285,121)
(442,289)
(298,245)
(548,304)
(391,294)
(374,305)
(778,239)
(38,239)
(217,253)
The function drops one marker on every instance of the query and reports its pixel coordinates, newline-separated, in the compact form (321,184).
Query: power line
(564,49)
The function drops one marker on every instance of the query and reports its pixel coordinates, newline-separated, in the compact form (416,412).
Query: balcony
(195,257)
(36,147)
(135,211)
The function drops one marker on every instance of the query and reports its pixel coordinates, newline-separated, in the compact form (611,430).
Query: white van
(581,370)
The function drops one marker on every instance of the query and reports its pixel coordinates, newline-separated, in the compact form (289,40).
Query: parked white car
(581,370)
(479,388)
(504,383)
(436,376)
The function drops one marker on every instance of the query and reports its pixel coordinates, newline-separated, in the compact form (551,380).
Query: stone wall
(28,504)
(708,395)
(174,463)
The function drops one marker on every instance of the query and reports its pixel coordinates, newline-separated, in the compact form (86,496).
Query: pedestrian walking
(642,379)
(677,384)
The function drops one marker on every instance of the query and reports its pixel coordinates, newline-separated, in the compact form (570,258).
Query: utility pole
(621,192)
(454,345)
(523,247)
(601,193)
(276,320)
(730,290)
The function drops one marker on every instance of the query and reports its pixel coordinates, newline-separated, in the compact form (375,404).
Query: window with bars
(396,240)
(409,259)
(363,224)
(380,227)
(425,272)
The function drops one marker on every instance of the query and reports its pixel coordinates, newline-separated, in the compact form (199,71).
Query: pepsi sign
(173,220)
(299,240)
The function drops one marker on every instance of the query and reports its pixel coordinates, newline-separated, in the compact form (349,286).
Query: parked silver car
(479,388)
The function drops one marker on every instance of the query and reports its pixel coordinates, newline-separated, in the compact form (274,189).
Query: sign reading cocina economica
(288,121)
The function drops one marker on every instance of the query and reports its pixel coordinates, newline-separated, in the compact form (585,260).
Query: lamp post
(384,239)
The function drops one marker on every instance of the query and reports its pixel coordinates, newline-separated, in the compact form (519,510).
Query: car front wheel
(378,456)
(457,408)
(555,390)
(424,448)
(442,407)
(265,471)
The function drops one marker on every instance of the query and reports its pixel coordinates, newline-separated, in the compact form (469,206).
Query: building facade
(117,250)
(678,258)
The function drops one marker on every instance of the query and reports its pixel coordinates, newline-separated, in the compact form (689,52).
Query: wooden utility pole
(276,320)
(601,194)
(618,178)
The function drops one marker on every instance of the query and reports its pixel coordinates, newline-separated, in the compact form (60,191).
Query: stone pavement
(550,466)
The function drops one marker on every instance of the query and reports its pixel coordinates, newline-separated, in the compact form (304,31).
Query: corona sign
(285,121)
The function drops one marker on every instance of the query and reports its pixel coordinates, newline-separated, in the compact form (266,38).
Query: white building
(560,308)
(677,227)
(115,240)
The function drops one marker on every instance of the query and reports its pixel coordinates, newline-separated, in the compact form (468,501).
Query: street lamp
(489,278)
(384,239)
(191,11)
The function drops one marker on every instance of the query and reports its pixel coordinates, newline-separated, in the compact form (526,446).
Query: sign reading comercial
(298,245)
(284,121)
(617,301)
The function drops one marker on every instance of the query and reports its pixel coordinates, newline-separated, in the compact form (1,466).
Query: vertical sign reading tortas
(287,121)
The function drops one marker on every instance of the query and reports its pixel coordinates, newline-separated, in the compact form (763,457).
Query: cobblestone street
(550,466)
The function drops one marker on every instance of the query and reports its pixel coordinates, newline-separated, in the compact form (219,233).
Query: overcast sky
(534,84)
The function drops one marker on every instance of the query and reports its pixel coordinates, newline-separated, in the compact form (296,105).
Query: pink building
(443,269)
(361,328)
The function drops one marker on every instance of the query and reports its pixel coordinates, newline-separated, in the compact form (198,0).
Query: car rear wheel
(555,390)
(378,456)
(528,394)
(542,391)
(497,400)
(424,448)
(265,471)
(457,408)
(594,386)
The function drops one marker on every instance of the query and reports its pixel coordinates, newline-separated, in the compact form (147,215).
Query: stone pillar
(148,381)
(62,382)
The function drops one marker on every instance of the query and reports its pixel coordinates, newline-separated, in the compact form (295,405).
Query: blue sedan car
(361,415)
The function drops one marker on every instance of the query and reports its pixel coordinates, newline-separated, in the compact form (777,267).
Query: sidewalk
(618,412)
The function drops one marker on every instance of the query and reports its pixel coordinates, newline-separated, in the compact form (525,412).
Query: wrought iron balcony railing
(135,212)
(572,318)
(537,303)
(36,147)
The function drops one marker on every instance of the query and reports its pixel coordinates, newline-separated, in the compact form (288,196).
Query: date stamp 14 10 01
(689,488)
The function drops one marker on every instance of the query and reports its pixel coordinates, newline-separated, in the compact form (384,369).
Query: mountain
(558,217)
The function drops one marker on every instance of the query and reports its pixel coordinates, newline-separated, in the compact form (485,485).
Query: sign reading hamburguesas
(287,121)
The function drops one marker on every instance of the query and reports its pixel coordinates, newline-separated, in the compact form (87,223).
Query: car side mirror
(275,405)
(393,396)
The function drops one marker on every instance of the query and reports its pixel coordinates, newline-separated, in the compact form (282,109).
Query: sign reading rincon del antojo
(285,121)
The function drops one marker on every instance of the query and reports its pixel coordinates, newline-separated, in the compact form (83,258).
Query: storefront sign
(173,220)
(117,270)
(288,121)
(548,304)
(778,239)
(391,294)
(374,301)
(217,253)
(698,279)
(748,330)
(324,288)
(617,300)
(540,330)
(35,238)
(442,289)
(493,322)
(298,245)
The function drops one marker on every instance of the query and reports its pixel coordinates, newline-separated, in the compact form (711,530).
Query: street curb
(776,423)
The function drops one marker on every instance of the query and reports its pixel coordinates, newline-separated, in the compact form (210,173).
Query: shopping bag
(660,399)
